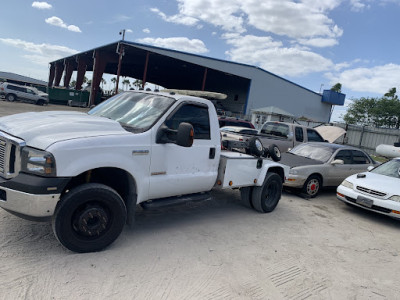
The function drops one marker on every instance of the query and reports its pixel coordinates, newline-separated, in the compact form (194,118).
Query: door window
(344,155)
(299,134)
(195,115)
(314,136)
(359,157)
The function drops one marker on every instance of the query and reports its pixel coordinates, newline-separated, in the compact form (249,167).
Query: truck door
(177,170)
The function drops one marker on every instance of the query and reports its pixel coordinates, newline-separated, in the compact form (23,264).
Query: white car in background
(237,133)
(377,190)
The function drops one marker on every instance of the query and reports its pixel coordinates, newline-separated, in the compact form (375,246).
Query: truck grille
(9,155)
(371,192)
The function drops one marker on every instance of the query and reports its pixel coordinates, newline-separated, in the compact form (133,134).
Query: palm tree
(138,83)
(126,83)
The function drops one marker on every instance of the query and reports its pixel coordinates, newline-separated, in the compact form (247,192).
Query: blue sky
(314,43)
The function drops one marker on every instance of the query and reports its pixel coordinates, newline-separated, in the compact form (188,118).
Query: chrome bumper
(31,205)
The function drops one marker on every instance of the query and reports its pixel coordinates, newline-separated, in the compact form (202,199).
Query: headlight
(347,184)
(37,162)
(293,172)
(395,198)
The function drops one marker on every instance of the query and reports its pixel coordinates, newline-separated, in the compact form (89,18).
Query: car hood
(377,182)
(41,129)
(293,160)
(330,133)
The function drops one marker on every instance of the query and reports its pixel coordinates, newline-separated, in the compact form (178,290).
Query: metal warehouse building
(248,87)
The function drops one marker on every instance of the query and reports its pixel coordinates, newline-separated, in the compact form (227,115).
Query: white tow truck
(87,172)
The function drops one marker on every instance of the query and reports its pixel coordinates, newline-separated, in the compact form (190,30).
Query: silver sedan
(317,165)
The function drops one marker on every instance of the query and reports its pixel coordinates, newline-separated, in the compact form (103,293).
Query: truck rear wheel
(266,197)
(89,218)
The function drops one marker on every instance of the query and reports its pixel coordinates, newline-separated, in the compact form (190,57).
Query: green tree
(138,83)
(337,87)
(377,112)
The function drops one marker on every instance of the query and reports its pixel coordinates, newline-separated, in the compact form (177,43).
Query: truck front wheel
(266,197)
(89,218)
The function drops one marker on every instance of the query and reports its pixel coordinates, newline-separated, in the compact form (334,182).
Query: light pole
(121,53)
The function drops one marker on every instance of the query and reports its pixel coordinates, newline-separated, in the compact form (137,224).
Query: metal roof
(21,78)
(163,68)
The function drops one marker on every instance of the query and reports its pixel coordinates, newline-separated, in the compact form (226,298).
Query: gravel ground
(218,249)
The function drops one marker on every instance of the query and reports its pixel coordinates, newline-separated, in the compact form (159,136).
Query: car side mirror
(337,162)
(370,168)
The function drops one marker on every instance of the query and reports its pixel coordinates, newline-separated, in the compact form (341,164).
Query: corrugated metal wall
(368,138)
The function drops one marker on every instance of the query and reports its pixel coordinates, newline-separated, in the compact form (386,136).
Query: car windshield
(134,111)
(390,168)
(317,152)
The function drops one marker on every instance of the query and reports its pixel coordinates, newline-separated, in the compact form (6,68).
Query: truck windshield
(135,111)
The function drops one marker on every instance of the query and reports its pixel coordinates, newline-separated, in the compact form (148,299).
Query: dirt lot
(305,249)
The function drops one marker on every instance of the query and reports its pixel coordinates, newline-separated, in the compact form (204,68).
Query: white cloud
(56,21)
(319,42)
(146,30)
(303,19)
(177,43)
(358,5)
(274,57)
(129,31)
(378,79)
(177,19)
(40,54)
(41,5)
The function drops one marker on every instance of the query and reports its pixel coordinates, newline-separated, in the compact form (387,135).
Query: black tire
(11,97)
(245,196)
(40,102)
(312,186)
(89,218)
(274,152)
(266,197)
(255,147)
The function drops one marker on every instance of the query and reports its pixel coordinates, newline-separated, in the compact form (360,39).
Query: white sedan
(377,190)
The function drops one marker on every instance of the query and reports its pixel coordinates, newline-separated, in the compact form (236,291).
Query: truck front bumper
(31,197)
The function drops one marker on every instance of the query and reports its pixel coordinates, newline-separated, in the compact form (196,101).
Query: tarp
(330,133)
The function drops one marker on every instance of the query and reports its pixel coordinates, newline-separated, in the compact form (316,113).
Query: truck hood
(41,129)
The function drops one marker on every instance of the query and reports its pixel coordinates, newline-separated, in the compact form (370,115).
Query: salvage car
(377,190)
(316,165)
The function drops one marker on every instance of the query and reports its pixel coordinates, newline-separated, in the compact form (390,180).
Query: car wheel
(245,196)
(11,97)
(40,102)
(274,152)
(312,186)
(89,218)
(266,197)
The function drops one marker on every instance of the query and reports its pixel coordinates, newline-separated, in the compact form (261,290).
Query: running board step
(171,201)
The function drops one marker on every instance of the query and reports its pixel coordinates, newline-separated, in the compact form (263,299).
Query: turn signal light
(396,212)
(230,183)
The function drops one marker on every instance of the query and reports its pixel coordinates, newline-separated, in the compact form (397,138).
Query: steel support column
(145,69)
(99,65)
(80,73)
(69,68)
(59,72)
(203,86)
(52,73)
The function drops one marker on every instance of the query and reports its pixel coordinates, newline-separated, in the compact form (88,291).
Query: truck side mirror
(185,135)
(182,137)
